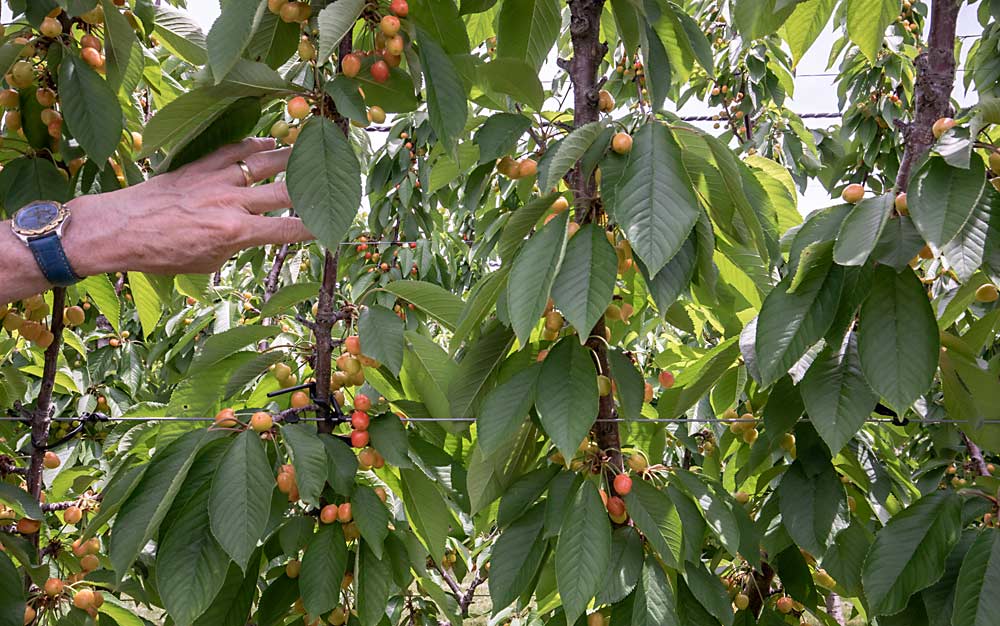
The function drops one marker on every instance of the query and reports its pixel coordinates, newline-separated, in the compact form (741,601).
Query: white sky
(813,94)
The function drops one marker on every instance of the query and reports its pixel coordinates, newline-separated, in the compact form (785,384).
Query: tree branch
(42,416)
(935,81)
(977,456)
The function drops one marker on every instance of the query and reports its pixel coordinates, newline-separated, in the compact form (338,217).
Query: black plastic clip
(88,418)
(898,420)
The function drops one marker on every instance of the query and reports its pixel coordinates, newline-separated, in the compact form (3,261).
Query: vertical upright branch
(932,93)
(41,418)
(585,29)
(325,315)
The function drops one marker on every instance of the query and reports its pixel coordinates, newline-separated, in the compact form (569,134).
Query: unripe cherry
(92,57)
(45,97)
(83,599)
(51,460)
(73,515)
(389,25)
(50,27)
(300,399)
(298,108)
(261,421)
(90,41)
(350,65)
(621,143)
(54,587)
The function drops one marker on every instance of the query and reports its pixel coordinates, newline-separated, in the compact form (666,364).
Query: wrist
(88,240)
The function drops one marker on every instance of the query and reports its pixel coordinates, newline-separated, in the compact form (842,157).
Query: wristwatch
(40,226)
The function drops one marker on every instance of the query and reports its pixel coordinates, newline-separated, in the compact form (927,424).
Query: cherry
(274,6)
(328,514)
(901,206)
(526,168)
(289,12)
(399,7)
(136,141)
(615,506)
(50,27)
(360,420)
(638,462)
(362,402)
(376,114)
(90,563)
(605,101)
(226,418)
(92,57)
(83,599)
(338,617)
(621,143)
(647,393)
(29,615)
(9,99)
(46,97)
(742,601)
(666,379)
(359,438)
(987,293)
(942,125)
(379,71)
(350,65)
(395,45)
(22,74)
(307,51)
(344,513)
(54,587)
(367,458)
(28,526)
(261,421)
(51,460)
(286,482)
(392,60)
(293,568)
(298,108)
(742,497)
(389,25)
(623,484)
(90,41)
(280,129)
(300,399)
(853,193)
(353,345)
(73,515)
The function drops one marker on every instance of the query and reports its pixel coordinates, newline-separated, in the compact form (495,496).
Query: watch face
(37,217)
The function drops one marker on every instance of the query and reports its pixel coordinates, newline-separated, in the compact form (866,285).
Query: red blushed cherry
(623,484)
(380,71)
(360,420)
(359,438)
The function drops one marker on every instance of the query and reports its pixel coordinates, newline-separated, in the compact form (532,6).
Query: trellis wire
(619,420)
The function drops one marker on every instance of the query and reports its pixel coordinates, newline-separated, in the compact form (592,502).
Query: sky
(815,91)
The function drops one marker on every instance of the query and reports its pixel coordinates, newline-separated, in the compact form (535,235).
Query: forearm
(20,276)
(87,246)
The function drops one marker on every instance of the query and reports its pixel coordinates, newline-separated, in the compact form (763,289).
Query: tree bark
(41,418)
(935,81)
(585,30)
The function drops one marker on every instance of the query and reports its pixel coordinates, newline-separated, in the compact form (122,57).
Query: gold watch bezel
(49,228)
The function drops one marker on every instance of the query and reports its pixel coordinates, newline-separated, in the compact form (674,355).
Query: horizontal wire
(658,420)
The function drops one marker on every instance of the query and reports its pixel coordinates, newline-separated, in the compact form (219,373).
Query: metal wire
(658,420)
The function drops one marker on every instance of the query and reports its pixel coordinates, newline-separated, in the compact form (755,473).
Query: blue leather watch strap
(51,258)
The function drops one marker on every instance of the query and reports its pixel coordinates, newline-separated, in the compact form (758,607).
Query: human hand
(188,221)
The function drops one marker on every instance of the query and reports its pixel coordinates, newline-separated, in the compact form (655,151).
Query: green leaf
(586,281)
(395,95)
(147,302)
(514,78)
(709,591)
(583,552)
(790,323)
(309,459)
(805,24)
(910,550)
(533,274)
(323,567)
(520,224)
(93,114)
(569,151)
(845,557)
(482,299)
(141,513)
(276,600)
(479,362)
(102,292)
(181,35)
(427,373)
(184,119)
(964,253)
(861,230)
(427,511)
(374,578)
(231,607)
(287,297)
(119,41)
(867,21)
(324,180)
(654,603)
(447,104)
(900,242)
(656,517)
(498,135)
(836,394)
(241,497)
(757,18)
(230,34)
(335,21)
(655,203)
(225,344)
(27,179)
(372,518)
(942,198)
(504,410)
(342,463)
(631,388)
(346,96)
(381,334)
(975,602)
(21,501)
(813,507)
(515,557)
(12,596)
(698,378)
(566,396)
(625,566)
(432,299)
(440,19)
(527,29)
(898,338)
(191,565)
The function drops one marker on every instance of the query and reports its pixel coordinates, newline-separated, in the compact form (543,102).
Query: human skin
(189,221)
